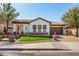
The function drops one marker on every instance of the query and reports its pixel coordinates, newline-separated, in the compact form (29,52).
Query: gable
(40,20)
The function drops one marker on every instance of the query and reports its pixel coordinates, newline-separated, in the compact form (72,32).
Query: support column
(49,31)
(14,28)
(24,26)
(64,30)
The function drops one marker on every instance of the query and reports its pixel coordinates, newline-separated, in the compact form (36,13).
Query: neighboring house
(71,30)
(38,26)
(2,25)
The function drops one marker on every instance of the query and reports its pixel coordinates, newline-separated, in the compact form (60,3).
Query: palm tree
(71,18)
(7,13)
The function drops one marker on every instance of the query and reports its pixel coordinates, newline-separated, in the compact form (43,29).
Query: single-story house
(38,26)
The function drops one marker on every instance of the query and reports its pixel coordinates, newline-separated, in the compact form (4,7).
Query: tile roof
(21,20)
(30,20)
(57,23)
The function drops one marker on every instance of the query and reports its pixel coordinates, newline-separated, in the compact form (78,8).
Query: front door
(20,28)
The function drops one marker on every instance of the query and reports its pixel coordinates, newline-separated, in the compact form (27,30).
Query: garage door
(57,30)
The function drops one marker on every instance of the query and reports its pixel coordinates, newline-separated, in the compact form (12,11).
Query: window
(39,28)
(26,28)
(44,28)
(34,28)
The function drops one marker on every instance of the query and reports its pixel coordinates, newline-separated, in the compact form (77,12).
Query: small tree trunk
(76,31)
(7,28)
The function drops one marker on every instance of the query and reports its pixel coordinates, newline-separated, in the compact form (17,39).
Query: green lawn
(24,39)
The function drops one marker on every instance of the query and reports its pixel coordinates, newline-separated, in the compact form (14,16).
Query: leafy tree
(7,13)
(71,18)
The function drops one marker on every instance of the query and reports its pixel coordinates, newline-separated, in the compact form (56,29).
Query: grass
(34,38)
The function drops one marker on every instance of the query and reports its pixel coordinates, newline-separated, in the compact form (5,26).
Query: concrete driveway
(65,38)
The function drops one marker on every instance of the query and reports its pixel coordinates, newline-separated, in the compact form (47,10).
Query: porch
(36,33)
(20,28)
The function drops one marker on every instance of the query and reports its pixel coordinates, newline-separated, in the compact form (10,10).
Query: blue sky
(49,11)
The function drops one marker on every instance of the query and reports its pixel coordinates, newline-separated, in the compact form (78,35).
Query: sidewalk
(73,46)
(73,49)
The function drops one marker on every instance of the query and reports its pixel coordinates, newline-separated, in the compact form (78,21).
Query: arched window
(26,28)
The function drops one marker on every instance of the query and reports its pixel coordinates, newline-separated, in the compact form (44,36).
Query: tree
(7,13)
(71,18)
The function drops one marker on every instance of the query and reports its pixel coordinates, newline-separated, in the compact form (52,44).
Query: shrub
(1,33)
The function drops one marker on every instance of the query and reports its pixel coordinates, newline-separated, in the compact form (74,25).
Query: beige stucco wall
(2,27)
(40,22)
(74,31)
